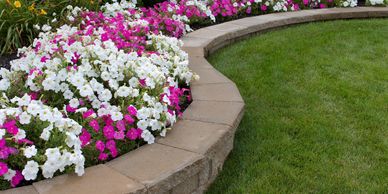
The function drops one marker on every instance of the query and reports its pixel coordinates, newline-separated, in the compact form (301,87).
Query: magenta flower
(111,146)
(17,178)
(109,132)
(108,120)
(296,7)
(75,58)
(103,156)
(94,124)
(305,2)
(3,168)
(129,119)
(88,113)
(33,95)
(120,125)
(70,109)
(25,141)
(249,10)
(132,110)
(119,134)
(11,127)
(104,37)
(133,133)
(84,137)
(100,146)
(44,59)
(3,143)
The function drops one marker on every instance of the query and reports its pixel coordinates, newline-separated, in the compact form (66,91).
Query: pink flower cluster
(109,131)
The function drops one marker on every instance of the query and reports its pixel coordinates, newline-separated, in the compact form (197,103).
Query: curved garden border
(192,154)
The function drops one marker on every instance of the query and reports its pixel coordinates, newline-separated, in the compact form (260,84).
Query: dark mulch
(5,59)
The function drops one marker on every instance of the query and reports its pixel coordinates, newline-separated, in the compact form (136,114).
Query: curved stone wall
(190,157)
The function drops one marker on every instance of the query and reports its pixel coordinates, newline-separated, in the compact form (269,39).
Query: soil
(5,59)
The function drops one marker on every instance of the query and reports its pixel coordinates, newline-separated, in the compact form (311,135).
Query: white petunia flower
(25,118)
(30,151)
(74,103)
(148,137)
(116,116)
(30,170)
(2,133)
(9,175)
(20,135)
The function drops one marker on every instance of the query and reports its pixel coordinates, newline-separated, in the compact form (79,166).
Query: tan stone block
(219,36)
(196,62)
(210,76)
(195,136)
(259,24)
(195,51)
(206,33)
(377,12)
(20,190)
(191,41)
(217,92)
(229,113)
(97,179)
(188,186)
(215,141)
(343,13)
(218,155)
(159,167)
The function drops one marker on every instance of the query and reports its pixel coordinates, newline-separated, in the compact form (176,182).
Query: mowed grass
(316,117)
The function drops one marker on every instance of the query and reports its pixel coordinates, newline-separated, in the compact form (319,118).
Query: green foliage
(316,110)
(17,19)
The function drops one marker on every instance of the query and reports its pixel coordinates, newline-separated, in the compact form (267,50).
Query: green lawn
(316,117)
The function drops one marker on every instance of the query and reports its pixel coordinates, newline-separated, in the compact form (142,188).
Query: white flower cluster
(67,153)
(111,9)
(349,3)
(280,6)
(376,2)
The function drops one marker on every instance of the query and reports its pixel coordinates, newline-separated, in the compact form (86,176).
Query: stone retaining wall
(190,157)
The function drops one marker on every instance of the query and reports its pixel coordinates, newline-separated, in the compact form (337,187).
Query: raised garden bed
(192,154)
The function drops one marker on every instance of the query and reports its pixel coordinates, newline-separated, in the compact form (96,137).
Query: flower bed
(90,92)
(98,87)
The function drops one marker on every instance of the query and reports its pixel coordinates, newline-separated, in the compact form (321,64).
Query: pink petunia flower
(132,110)
(263,8)
(11,127)
(108,132)
(100,146)
(88,113)
(94,124)
(120,125)
(108,120)
(33,95)
(3,168)
(70,109)
(133,133)
(111,146)
(119,134)
(84,137)
(103,156)
(129,119)
(17,178)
